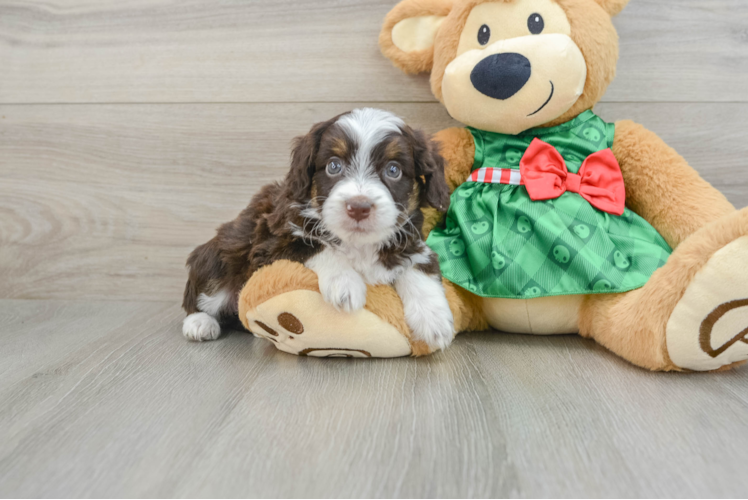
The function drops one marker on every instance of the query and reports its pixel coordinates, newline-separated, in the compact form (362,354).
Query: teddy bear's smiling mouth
(545,103)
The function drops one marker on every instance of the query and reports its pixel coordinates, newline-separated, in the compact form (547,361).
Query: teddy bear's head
(507,65)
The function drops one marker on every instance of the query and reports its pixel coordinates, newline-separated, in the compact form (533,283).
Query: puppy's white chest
(380,275)
(366,262)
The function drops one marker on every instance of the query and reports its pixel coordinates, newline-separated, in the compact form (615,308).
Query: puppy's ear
(429,171)
(407,36)
(298,183)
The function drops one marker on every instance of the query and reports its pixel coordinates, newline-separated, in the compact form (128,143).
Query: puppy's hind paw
(200,327)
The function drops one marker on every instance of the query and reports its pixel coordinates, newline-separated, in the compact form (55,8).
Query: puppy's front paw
(199,327)
(432,325)
(345,291)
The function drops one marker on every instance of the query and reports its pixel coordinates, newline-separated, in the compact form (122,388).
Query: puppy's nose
(358,208)
(500,76)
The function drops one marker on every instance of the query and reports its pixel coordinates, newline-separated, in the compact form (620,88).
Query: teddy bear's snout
(500,76)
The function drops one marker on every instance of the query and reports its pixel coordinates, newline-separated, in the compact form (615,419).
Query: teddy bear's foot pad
(302,323)
(709,327)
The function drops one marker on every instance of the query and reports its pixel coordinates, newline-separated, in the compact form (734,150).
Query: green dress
(497,242)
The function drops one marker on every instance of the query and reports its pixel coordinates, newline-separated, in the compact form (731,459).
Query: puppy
(350,210)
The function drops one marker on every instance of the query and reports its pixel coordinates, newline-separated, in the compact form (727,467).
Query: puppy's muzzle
(358,208)
(500,76)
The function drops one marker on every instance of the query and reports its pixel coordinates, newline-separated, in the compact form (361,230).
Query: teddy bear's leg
(693,312)
(467,309)
(282,303)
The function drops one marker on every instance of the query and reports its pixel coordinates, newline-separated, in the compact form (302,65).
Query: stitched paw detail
(292,326)
(335,353)
(708,329)
(301,322)
(291,323)
(711,324)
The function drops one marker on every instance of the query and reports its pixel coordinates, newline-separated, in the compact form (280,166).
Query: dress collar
(540,132)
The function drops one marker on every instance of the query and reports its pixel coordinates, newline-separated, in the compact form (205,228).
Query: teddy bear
(559,222)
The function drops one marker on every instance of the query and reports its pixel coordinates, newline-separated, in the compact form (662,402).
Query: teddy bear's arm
(457,147)
(661,187)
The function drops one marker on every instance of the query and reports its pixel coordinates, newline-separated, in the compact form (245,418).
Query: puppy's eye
(484,34)
(393,171)
(334,167)
(535,24)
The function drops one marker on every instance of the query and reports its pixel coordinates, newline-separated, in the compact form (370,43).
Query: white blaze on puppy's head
(360,208)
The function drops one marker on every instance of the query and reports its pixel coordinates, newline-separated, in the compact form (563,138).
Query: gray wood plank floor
(106,201)
(129,129)
(104,399)
(316,50)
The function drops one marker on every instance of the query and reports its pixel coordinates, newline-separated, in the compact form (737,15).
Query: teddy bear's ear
(407,36)
(613,7)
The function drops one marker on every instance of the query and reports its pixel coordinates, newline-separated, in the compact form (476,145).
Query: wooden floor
(130,128)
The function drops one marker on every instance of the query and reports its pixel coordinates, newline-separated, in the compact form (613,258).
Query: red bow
(599,180)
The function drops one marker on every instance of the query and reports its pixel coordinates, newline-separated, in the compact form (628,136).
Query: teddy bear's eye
(484,34)
(535,24)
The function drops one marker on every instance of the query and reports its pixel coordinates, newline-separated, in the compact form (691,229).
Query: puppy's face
(368,175)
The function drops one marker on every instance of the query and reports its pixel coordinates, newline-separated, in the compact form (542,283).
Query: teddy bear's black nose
(501,75)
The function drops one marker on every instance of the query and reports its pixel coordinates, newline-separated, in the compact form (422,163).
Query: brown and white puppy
(350,210)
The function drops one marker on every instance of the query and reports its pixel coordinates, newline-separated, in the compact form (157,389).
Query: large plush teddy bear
(559,221)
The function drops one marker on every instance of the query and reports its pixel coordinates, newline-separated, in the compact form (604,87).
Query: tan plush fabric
(591,30)
(419,60)
(301,322)
(280,277)
(705,331)
(285,276)
(416,33)
(555,58)
(457,147)
(542,316)
(662,187)
(633,324)
(613,7)
(695,307)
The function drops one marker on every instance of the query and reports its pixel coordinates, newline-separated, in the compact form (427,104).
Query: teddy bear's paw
(200,327)
(708,328)
(301,322)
